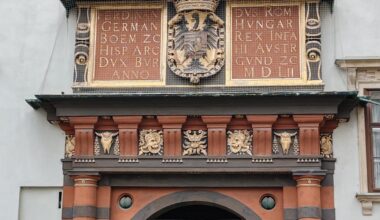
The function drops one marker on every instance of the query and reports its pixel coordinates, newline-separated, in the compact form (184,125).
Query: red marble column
(172,134)
(128,134)
(309,133)
(262,133)
(309,197)
(85,197)
(217,139)
(84,135)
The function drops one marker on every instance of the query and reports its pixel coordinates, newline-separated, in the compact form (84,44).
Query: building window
(373,142)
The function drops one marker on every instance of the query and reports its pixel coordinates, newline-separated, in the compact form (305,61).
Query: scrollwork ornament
(81,58)
(150,142)
(195,40)
(239,142)
(195,143)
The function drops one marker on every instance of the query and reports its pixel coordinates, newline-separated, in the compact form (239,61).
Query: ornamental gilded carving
(195,143)
(69,146)
(326,145)
(106,140)
(195,40)
(150,142)
(239,142)
(286,141)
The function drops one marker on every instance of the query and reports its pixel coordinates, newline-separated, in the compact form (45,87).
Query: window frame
(369,125)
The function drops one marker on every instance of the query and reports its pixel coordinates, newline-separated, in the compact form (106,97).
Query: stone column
(84,135)
(128,134)
(262,133)
(309,133)
(217,140)
(85,197)
(172,126)
(309,197)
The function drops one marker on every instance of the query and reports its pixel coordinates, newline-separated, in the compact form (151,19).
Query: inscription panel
(128,45)
(265,42)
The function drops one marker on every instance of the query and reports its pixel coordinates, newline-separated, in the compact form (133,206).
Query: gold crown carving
(188,5)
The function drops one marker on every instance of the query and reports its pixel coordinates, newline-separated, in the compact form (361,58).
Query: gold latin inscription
(128,44)
(265,42)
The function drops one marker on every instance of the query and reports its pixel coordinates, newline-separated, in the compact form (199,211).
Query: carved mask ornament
(239,142)
(195,143)
(150,142)
(196,40)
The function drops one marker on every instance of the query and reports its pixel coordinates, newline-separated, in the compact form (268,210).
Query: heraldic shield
(196,40)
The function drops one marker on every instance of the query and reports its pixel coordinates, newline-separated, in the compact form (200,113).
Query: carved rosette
(195,143)
(326,142)
(150,142)
(82,44)
(239,142)
(195,40)
(105,141)
(69,146)
(285,142)
(313,41)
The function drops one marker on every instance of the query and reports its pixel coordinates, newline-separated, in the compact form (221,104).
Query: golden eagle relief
(196,40)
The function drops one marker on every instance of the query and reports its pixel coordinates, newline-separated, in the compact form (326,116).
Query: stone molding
(367,200)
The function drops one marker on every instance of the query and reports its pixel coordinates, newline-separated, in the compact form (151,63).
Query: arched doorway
(196,212)
(215,203)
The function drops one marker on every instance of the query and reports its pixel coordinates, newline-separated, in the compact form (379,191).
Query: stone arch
(179,199)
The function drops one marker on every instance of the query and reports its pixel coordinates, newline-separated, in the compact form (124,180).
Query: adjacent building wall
(36,44)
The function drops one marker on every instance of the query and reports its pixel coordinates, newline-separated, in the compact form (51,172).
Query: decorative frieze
(128,160)
(262,160)
(217,160)
(195,143)
(308,160)
(106,140)
(84,160)
(172,160)
(239,142)
(150,142)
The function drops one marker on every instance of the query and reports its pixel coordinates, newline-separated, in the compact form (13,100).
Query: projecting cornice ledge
(69,4)
(367,200)
(370,62)
(339,104)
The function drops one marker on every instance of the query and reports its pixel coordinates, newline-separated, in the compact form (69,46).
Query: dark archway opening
(197,212)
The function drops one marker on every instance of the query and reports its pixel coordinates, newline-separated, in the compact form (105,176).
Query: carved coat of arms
(196,40)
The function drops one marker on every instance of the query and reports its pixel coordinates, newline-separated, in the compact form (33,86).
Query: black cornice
(337,103)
